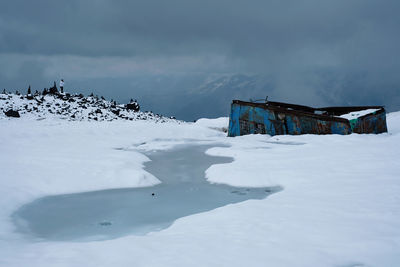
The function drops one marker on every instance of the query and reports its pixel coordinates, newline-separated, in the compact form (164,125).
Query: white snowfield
(340,203)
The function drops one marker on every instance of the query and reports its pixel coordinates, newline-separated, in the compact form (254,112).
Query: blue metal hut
(276,118)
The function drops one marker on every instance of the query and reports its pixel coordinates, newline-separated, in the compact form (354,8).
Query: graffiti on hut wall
(276,118)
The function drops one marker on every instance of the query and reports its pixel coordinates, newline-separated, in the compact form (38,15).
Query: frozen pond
(114,213)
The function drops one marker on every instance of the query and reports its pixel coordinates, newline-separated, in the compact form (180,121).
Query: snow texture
(339,205)
(73,107)
(356,114)
(220,124)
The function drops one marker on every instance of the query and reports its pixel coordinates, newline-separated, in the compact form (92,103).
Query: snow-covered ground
(340,203)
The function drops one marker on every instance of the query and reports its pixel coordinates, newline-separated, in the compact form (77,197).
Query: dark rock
(133,106)
(12,113)
(115,111)
(53,90)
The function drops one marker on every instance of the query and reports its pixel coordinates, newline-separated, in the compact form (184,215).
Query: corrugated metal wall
(251,118)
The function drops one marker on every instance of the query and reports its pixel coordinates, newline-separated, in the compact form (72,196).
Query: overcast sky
(316,51)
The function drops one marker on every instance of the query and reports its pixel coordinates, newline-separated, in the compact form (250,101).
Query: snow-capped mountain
(213,98)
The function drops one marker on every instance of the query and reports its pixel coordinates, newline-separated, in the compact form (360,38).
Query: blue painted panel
(293,124)
(339,128)
(234,126)
(372,123)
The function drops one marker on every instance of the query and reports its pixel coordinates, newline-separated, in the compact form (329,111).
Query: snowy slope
(393,122)
(338,207)
(72,107)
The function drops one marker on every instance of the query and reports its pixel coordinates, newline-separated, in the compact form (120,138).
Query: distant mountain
(213,98)
(187,97)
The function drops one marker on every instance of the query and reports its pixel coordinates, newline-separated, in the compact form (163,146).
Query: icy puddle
(108,214)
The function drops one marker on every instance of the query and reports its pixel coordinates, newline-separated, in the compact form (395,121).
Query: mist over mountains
(189,97)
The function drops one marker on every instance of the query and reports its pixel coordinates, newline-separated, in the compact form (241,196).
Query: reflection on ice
(114,213)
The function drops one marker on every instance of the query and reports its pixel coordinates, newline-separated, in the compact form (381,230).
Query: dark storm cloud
(240,28)
(315,51)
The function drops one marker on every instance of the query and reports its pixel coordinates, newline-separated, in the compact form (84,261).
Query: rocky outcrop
(77,107)
(12,113)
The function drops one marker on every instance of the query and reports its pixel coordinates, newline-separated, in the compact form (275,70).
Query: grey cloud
(314,52)
(266,28)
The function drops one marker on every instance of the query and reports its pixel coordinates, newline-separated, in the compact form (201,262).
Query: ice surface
(109,214)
